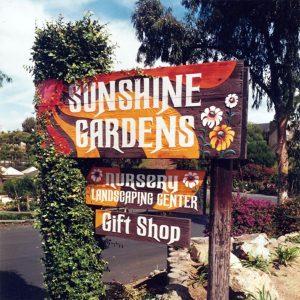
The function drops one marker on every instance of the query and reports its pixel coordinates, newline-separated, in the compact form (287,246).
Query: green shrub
(68,52)
(285,255)
(262,294)
(15,216)
(257,263)
(294,239)
(72,258)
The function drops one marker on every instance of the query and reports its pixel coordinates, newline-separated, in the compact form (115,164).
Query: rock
(282,239)
(174,278)
(249,280)
(200,240)
(172,295)
(199,253)
(273,242)
(249,237)
(256,247)
(292,234)
(235,263)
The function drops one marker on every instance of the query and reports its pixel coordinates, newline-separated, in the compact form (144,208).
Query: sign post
(187,112)
(220,226)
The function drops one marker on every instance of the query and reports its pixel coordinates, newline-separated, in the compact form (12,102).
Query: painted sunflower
(221,137)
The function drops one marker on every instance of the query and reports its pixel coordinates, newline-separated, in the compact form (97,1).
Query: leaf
(229,151)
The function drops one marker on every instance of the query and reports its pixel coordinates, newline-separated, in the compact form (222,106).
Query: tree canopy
(28,124)
(70,51)
(258,151)
(265,34)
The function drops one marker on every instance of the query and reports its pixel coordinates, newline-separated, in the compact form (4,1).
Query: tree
(12,189)
(4,77)
(19,189)
(68,52)
(258,151)
(294,149)
(71,51)
(28,124)
(263,33)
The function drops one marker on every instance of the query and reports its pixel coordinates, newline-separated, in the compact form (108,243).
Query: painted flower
(231,100)
(221,137)
(96,175)
(211,116)
(191,179)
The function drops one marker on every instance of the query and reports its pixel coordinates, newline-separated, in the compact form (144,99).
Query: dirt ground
(287,281)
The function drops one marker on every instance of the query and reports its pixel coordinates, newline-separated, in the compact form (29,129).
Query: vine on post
(72,257)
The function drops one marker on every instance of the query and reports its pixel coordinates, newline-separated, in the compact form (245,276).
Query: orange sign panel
(161,190)
(171,112)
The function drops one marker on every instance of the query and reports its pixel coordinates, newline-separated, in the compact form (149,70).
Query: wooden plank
(171,112)
(220,227)
(160,190)
(148,228)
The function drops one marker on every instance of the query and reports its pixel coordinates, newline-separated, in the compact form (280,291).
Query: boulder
(256,247)
(199,253)
(200,240)
(172,295)
(251,281)
(250,237)
(235,263)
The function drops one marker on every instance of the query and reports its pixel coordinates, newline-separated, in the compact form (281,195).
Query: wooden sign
(187,111)
(161,190)
(157,229)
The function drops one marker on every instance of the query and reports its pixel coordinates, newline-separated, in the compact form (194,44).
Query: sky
(18,19)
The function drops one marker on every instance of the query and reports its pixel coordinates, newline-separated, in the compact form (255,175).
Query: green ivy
(72,255)
(71,51)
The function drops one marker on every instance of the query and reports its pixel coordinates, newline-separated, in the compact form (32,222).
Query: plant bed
(15,216)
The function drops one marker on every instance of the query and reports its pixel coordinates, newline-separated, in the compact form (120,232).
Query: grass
(285,255)
(294,239)
(201,277)
(257,263)
(15,216)
(262,294)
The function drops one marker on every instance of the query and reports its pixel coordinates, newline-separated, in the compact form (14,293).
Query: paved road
(21,269)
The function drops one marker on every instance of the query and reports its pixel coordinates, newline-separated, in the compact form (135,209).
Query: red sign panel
(162,190)
(171,112)
(156,229)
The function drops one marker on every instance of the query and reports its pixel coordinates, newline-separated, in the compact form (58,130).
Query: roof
(30,171)
(12,172)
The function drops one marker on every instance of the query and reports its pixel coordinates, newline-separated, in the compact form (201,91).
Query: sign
(161,190)
(157,229)
(187,111)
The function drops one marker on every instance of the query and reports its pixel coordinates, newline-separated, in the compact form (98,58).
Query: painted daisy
(191,179)
(96,175)
(211,116)
(221,137)
(231,100)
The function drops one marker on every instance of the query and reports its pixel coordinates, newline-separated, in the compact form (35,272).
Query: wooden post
(220,223)
(205,193)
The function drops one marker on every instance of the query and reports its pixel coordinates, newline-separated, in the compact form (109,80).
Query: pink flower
(191,179)
(96,175)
